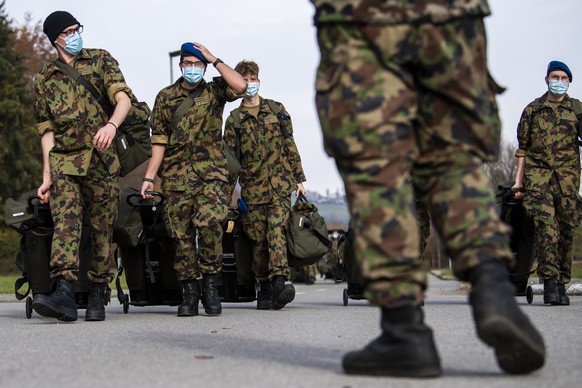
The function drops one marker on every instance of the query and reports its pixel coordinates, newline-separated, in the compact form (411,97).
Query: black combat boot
(59,304)
(551,295)
(501,324)
(96,302)
(190,298)
(405,348)
(564,300)
(210,297)
(265,295)
(282,293)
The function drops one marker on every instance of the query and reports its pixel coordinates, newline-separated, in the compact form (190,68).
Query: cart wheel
(28,307)
(126,304)
(346,297)
(529,294)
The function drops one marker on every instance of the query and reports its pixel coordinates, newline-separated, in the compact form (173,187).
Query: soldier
(404,94)
(80,168)
(548,167)
(194,169)
(261,132)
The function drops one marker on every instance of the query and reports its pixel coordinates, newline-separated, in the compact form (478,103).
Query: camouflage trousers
(555,218)
(96,196)
(193,219)
(400,104)
(265,225)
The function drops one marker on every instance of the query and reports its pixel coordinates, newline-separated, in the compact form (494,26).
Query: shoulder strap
(537,105)
(186,104)
(75,75)
(277,111)
(577,108)
(236,124)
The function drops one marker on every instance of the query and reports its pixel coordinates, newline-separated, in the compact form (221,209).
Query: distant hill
(333,212)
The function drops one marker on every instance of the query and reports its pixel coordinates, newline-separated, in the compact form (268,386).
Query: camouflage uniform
(404,95)
(193,172)
(548,140)
(82,178)
(271,170)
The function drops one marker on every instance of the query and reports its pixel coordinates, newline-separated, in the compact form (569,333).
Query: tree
(21,51)
(503,170)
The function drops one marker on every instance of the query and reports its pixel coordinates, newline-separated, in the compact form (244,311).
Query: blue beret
(557,65)
(188,49)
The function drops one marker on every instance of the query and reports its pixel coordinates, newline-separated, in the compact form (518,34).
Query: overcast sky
(524,35)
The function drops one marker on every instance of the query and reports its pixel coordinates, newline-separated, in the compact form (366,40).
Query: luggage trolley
(349,267)
(33,221)
(149,267)
(522,240)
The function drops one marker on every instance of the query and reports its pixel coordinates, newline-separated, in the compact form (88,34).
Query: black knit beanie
(56,22)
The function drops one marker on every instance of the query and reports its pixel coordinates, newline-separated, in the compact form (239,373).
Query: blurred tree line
(23,51)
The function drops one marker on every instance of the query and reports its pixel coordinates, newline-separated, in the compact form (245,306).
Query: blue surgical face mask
(558,87)
(193,75)
(252,89)
(74,44)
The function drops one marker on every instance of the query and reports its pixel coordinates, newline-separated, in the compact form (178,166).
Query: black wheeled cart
(350,268)
(513,214)
(33,221)
(238,282)
(145,253)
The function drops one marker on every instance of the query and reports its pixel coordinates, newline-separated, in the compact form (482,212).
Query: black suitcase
(350,267)
(513,214)
(238,282)
(148,266)
(33,221)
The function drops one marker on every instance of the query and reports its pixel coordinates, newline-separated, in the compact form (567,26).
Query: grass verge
(7,284)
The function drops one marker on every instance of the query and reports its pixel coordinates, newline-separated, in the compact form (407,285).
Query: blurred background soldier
(261,133)
(404,95)
(80,168)
(194,170)
(548,168)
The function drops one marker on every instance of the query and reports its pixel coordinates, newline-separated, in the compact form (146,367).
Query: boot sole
(53,311)
(416,372)
(517,352)
(286,297)
(400,370)
(94,317)
(187,313)
(213,312)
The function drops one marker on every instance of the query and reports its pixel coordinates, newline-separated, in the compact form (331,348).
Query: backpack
(128,228)
(132,140)
(307,235)
(236,124)
(26,212)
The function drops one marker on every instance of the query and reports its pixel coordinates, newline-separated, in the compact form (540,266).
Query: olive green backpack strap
(577,108)
(535,108)
(281,115)
(236,124)
(183,108)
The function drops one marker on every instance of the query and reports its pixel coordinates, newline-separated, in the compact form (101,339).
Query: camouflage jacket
(548,139)
(270,161)
(397,11)
(194,148)
(66,107)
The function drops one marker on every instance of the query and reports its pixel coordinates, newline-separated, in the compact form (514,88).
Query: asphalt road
(299,346)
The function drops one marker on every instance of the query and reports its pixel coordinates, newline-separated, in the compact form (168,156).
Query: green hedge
(9,244)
